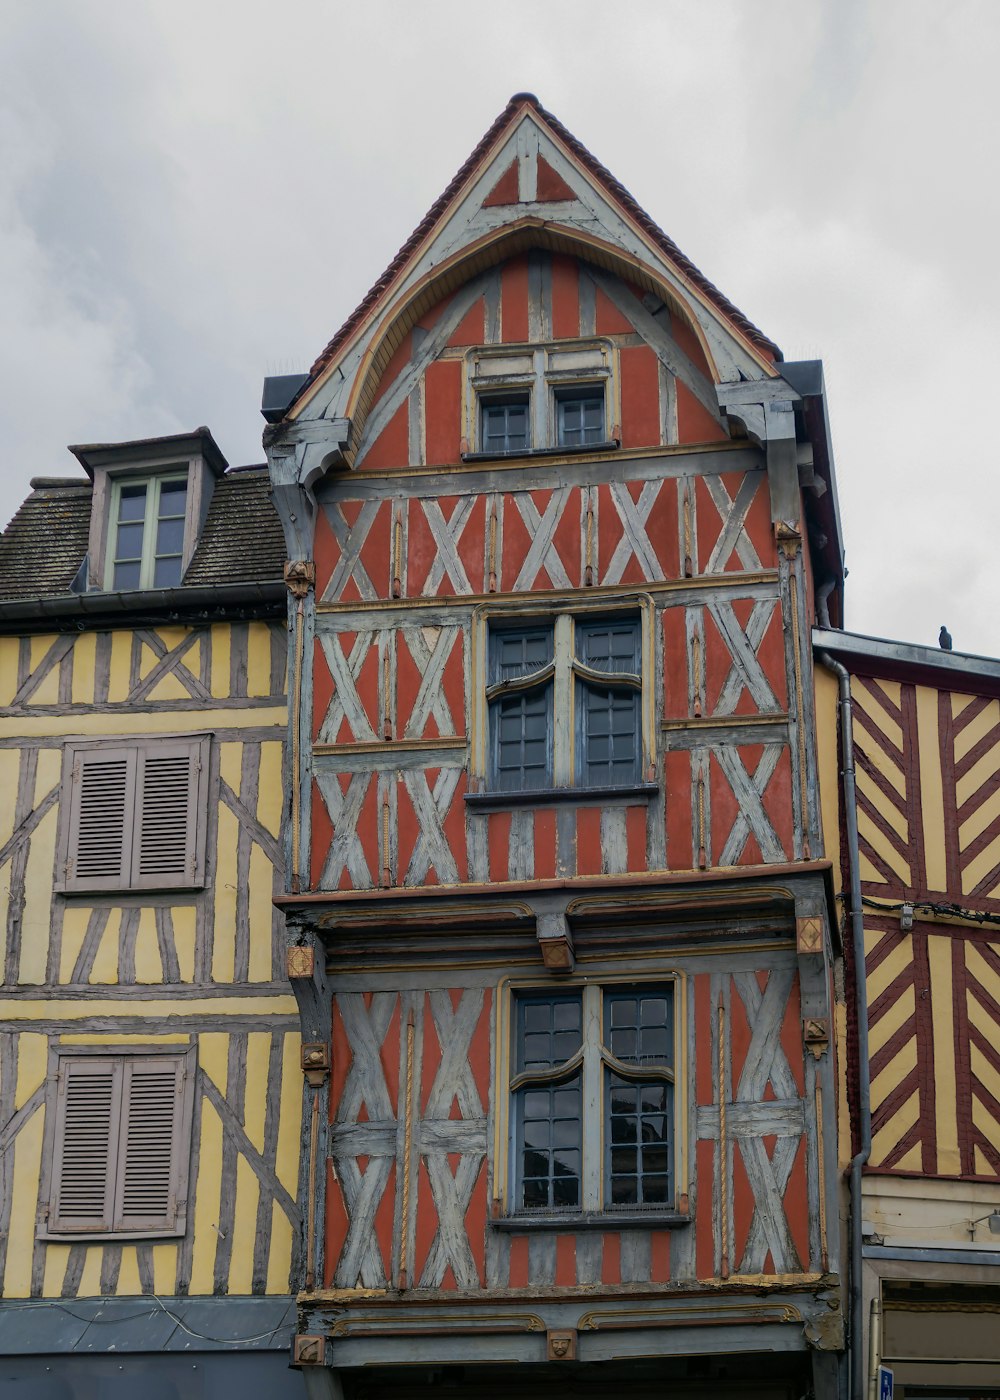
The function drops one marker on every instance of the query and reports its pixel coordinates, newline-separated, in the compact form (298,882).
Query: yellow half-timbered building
(914,734)
(150,1092)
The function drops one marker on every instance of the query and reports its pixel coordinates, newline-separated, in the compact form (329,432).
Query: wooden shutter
(169,831)
(99,831)
(150,1161)
(86,1143)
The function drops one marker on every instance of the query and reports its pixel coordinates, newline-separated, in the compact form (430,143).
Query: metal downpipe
(856,1335)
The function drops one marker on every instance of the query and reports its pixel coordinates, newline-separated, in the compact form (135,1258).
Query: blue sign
(884,1383)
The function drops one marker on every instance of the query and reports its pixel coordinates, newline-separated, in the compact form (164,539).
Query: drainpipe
(857,1357)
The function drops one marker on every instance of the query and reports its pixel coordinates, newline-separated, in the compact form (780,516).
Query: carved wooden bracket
(300,576)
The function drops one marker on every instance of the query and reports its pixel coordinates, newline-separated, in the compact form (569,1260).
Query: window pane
(167,572)
(581,418)
(170,536)
(549,1145)
(640,1029)
(126,575)
(517,654)
(609,646)
(132,502)
(505,425)
(129,542)
(639,1153)
(521,739)
(173,497)
(541,1044)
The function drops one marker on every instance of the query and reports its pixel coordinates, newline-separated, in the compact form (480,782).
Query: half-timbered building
(555,512)
(919,748)
(150,1092)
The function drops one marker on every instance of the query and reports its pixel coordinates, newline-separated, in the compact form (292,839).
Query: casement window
(591,1114)
(505,425)
(146,545)
(564,701)
(120,1140)
(559,397)
(580,416)
(134,814)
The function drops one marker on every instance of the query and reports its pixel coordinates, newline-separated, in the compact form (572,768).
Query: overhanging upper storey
(530,203)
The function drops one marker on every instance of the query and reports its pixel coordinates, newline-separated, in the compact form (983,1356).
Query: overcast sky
(194,194)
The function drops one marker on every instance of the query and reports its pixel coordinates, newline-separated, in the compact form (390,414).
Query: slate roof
(46,542)
(242,540)
(600,173)
(44,545)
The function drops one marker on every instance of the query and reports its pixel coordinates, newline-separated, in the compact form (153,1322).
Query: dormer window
(147,532)
(150,501)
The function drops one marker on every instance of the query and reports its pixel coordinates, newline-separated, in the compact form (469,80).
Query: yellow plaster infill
(939,952)
(129,1284)
(897,1127)
(186,1007)
(286,1164)
(981,1019)
(244,1227)
(258,1046)
(213,1058)
(74,725)
(931,789)
(21,1235)
(975,730)
(9,647)
(890,814)
(124,1038)
(208,1196)
(32,1067)
(279,1259)
(984,1120)
(224,942)
(970,783)
(894,1072)
(883,847)
(735,583)
(164,1269)
(36,917)
(104,971)
(261,914)
(979,821)
(881,718)
(893,1020)
(221,639)
(10,762)
(980,867)
(258,660)
(56,1259)
(84,669)
(980,969)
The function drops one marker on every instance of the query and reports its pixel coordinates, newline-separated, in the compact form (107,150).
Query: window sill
(574,450)
(547,797)
(592,1220)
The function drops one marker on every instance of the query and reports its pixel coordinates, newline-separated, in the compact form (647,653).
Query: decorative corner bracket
(308,1350)
(556,942)
(300,576)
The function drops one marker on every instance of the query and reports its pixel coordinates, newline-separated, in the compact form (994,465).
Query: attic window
(580,415)
(147,518)
(506,425)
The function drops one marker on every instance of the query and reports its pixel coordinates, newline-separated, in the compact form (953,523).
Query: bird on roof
(944,639)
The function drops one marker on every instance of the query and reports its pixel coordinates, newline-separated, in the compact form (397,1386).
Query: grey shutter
(169,839)
(152,1143)
(86,1137)
(99,832)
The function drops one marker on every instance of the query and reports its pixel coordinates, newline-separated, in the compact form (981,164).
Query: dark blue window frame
(521,716)
(580,417)
(505,424)
(609,747)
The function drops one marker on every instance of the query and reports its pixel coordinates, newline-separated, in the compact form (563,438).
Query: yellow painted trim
(186,1006)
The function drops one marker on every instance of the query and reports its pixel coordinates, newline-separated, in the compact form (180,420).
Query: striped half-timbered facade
(150,1089)
(926,734)
(553,509)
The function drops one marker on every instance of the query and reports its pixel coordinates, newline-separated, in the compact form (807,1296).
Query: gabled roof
(611,188)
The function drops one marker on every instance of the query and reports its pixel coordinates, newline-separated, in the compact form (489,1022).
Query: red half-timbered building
(555,513)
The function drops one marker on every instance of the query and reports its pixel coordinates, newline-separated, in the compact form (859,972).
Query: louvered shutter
(168,842)
(150,1166)
(102,806)
(86,1144)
